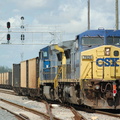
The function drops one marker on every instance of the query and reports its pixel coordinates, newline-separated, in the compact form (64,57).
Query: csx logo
(107,62)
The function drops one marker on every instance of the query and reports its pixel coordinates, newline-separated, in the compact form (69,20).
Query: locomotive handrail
(56,77)
(92,69)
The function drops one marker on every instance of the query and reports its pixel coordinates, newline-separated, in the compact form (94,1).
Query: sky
(46,22)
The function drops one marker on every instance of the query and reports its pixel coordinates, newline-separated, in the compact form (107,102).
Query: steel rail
(99,112)
(49,111)
(107,113)
(77,116)
(18,116)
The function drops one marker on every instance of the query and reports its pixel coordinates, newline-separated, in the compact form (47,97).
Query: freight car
(6,80)
(25,77)
(33,76)
(16,78)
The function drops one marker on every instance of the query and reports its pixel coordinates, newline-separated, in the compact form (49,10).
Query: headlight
(107,51)
(97,87)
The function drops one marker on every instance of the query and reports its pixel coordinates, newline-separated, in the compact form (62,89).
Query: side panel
(16,75)
(53,65)
(23,74)
(0,78)
(10,78)
(33,71)
(5,78)
(100,66)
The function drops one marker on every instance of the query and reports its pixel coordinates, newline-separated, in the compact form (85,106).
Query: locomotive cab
(100,69)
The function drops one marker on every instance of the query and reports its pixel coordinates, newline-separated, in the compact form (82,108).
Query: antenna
(22,55)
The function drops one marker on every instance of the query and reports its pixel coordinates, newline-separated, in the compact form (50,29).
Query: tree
(5,69)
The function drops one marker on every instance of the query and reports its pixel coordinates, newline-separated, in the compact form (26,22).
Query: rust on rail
(107,113)
(77,116)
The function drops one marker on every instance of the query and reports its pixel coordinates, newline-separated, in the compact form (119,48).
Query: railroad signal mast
(40,35)
(22,37)
(8,35)
(22,27)
(8,25)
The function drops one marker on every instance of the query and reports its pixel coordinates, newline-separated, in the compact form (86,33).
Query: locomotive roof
(100,32)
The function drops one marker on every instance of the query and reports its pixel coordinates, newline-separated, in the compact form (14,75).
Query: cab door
(45,63)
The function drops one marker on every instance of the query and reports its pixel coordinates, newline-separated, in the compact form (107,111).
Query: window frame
(92,38)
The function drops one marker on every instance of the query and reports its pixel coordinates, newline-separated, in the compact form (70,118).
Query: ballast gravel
(62,113)
(4,115)
(95,116)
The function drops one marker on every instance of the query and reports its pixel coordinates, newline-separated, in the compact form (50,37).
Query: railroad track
(107,113)
(50,116)
(25,117)
(89,110)
(77,115)
(49,111)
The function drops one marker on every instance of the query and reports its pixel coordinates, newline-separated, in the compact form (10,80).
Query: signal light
(8,36)
(114,89)
(22,37)
(8,25)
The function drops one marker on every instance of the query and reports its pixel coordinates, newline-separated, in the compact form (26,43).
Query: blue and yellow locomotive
(83,71)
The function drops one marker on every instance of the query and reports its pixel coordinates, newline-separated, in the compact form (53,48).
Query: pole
(117,16)
(88,14)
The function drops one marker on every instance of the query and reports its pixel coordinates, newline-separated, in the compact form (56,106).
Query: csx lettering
(107,62)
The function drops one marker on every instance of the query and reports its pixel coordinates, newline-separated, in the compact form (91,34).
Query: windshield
(93,40)
(113,40)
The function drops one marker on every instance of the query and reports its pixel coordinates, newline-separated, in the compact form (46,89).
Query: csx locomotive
(84,71)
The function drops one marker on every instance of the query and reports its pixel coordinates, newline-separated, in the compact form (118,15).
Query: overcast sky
(69,17)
